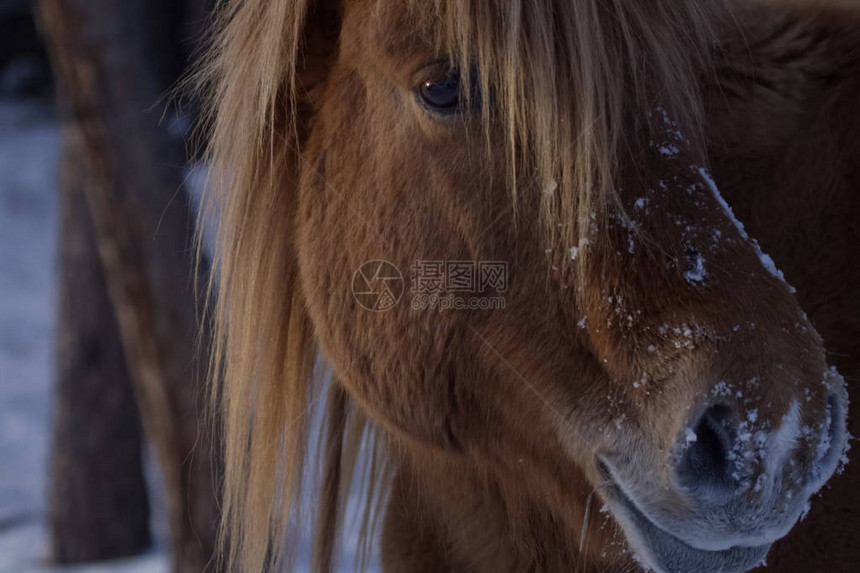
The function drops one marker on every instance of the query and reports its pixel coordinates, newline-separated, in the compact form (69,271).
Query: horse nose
(718,454)
(705,469)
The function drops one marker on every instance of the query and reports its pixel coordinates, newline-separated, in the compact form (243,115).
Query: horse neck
(446,514)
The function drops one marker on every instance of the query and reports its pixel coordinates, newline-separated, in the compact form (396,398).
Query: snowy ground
(29,150)
(29,142)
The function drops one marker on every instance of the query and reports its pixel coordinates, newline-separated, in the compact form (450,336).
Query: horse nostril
(705,467)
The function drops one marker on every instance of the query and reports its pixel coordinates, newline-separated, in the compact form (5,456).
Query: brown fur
(491,422)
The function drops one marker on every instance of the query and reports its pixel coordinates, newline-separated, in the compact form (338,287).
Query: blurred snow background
(29,158)
(30,135)
(29,153)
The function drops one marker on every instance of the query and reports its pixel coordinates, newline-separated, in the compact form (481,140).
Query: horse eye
(442,95)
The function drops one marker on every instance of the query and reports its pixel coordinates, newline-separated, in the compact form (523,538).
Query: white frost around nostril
(831,431)
(826,441)
(756,446)
(782,442)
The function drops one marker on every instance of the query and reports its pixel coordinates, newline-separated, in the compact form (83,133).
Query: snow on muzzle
(736,484)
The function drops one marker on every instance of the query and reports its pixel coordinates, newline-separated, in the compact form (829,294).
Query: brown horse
(649,392)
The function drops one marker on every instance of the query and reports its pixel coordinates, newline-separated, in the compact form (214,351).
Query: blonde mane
(571,79)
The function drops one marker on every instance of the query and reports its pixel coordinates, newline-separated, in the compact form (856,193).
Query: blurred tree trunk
(113,59)
(98,503)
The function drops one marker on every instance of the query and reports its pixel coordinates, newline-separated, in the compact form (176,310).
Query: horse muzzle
(730,488)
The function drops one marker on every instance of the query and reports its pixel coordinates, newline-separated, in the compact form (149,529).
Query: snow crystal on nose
(669,150)
(696,273)
(690,436)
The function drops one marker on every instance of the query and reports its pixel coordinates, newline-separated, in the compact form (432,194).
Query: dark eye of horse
(442,95)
